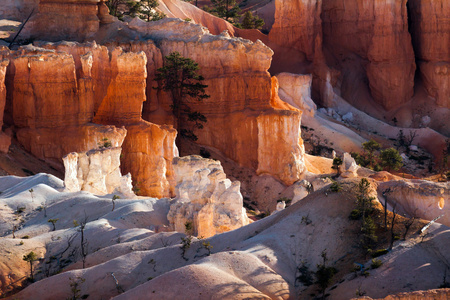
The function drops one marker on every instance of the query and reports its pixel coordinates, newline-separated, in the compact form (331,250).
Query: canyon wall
(5,141)
(430,28)
(241,121)
(68,97)
(377,32)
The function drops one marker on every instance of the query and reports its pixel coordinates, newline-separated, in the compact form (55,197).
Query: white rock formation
(205,198)
(96,171)
(349,167)
(424,199)
(295,89)
(301,190)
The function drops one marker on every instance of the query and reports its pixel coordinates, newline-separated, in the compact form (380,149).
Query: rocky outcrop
(66,97)
(301,190)
(349,167)
(295,89)
(241,124)
(377,31)
(206,203)
(73,20)
(5,141)
(423,199)
(430,31)
(17,9)
(297,24)
(96,171)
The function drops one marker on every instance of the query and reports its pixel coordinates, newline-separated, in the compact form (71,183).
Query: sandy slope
(256,261)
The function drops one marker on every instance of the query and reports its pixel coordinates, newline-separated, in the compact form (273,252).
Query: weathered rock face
(423,199)
(240,124)
(80,84)
(430,31)
(17,9)
(377,31)
(296,90)
(297,23)
(349,167)
(205,198)
(58,20)
(96,171)
(5,141)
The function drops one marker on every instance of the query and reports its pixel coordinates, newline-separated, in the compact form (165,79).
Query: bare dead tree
(408,223)
(385,193)
(83,242)
(394,212)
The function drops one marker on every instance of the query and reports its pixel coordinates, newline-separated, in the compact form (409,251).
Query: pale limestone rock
(295,89)
(96,171)
(205,198)
(301,190)
(349,167)
(424,199)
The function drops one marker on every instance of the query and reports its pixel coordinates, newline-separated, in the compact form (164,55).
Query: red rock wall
(430,27)
(5,141)
(57,96)
(73,20)
(377,31)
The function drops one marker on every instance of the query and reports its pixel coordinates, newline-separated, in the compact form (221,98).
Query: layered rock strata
(68,97)
(242,125)
(96,171)
(206,203)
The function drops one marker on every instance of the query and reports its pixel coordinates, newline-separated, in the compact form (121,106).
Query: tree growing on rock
(226,9)
(180,77)
(369,149)
(30,258)
(337,162)
(391,159)
(251,22)
(53,221)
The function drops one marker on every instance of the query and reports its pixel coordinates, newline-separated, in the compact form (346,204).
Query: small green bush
(379,252)
(335,187)
(355,214)
(376,263)
(25,237)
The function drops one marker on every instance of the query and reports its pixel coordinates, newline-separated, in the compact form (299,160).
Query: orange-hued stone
(73,20)
(297,23)
(5,141)
(430,27)
(148,151)
(377,31)
(59,93)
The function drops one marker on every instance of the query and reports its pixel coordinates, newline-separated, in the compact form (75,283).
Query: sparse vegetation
(335,187)
(376,263)
(104,143)
(75,287)
(391,159)
(113,199)
(53,221)
(189,228)
(30,258)
(185,245)
(251,22)
(305,275)
(324,275)
(180,77)
(337,162)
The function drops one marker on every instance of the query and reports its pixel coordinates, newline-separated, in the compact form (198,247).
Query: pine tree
(179,76)
(252,22)
(226,9)
(30,257)
(391,159)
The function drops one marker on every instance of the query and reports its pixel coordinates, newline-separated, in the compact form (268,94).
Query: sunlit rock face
(430,32)
(206,203)
(241,120)
(68,97)
(423,199)
(5,141)
(96,171)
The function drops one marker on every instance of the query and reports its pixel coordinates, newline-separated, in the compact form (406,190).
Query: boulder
(96,171)
(349,167)
(205,198)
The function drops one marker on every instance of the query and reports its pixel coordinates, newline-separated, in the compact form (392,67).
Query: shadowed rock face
(430,30)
